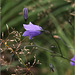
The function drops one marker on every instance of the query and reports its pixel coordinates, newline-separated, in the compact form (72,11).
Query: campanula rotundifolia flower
(31,30)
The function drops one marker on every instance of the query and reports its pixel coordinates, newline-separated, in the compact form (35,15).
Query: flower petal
(34,33)
(26,33)
(73,59)
(31,33)
(30,37)
(72,63)
(32,27)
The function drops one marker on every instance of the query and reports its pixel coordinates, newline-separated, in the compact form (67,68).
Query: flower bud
(25,13)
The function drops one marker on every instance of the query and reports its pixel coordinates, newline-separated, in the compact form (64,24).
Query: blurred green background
(51,15)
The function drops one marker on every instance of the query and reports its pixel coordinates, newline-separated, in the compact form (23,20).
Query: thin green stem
(57,44)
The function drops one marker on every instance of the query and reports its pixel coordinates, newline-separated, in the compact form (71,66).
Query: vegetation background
(51,15)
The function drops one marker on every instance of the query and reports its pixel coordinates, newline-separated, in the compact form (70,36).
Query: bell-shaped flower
(32,30)
(25,13)
(73,61)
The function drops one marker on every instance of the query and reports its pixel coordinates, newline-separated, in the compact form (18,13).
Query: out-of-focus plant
(17,49)
(55,43)
(15,18)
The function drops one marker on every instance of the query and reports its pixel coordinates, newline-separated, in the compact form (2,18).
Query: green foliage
(51,15)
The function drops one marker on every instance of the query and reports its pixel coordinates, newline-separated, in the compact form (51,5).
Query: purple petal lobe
(32,27)
(34,33)
(72,63)
(31,33)
(26,33)
(25,13)
(30,37)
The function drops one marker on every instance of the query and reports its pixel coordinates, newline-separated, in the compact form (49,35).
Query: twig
(40,47)
(57,43)
(17,56)
(63,57)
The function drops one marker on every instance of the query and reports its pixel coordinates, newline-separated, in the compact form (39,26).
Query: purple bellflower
(32,30)
(72,63)
(25,13)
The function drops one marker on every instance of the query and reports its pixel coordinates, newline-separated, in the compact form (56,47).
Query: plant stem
(57,43)
(16,55)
